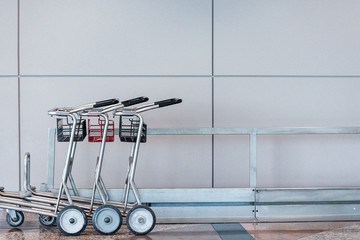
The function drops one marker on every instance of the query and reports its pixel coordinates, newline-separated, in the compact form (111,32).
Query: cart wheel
(47,221)
(15,222)
(107,220)
(141,220)
(71,221)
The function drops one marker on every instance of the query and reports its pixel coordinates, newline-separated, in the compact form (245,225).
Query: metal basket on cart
(96,129)
(64,128)
(129,127)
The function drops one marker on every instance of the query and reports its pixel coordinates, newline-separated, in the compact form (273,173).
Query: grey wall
(235,63)
(9,134)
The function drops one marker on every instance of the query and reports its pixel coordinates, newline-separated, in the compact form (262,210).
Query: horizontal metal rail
(249,131)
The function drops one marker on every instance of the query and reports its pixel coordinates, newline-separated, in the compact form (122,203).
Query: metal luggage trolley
(140,219)
(69,210)
(106,219)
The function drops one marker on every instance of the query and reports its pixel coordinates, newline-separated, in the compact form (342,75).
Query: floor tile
(291,230)
(349,232)
(232,231)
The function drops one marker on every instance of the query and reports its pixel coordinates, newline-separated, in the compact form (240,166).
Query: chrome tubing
(63,186)
(27,185)
(97,183)
(73,186)
(132,164)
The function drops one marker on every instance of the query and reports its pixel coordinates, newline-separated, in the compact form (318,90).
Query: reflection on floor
(31,229)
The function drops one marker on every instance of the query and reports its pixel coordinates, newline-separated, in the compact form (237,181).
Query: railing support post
(252,160)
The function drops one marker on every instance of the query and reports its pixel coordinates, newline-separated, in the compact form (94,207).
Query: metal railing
(243,204)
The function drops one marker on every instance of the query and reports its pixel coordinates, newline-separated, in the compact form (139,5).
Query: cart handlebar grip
(135,101)
(168,102)
(105,103)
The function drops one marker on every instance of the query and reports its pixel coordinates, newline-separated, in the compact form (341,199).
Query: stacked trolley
(140,219)
(70,210)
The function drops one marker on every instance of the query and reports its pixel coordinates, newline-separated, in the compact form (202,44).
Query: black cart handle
(105,103)
(168,102)
(135,101)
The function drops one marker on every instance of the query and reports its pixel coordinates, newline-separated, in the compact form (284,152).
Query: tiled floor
(31,229)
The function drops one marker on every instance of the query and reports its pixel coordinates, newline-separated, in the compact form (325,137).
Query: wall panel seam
(212,97)
(18,97)
(184,76)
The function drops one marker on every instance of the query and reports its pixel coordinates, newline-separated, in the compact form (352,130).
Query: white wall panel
(292,161)
(308,161)
(182,161)
(231,161)
(8,39)
(283,37)
(116,37)
(9,147)
(287,102)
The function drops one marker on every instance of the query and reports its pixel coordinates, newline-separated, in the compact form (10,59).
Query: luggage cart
(140,219)
(107,219)
(70,211)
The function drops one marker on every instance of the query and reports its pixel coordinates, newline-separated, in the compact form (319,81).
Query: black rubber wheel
(140,220)
(71,221)
(15,222)
(107,220)
(47,221)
